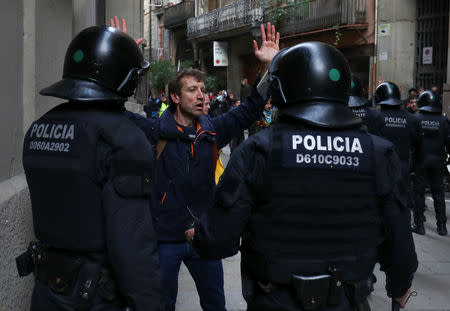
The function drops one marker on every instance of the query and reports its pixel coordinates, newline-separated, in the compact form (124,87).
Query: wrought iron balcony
(295,17)
(177,15)
(242,14)
(308,15)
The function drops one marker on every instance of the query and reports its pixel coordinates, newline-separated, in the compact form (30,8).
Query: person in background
(164,105)
(411,104)
(268,116)
(244,89)
(436,148)
(360,105)
(206,105)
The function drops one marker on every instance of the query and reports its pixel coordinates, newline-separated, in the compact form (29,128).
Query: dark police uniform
(399,127)
(436,145)
(313,198)
(90,189)
(360,106)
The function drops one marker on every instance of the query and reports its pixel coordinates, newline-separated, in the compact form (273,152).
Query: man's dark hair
(410,97)
(175,84)
(412,90)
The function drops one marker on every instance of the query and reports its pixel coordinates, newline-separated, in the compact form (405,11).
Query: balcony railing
(309,15)
(177,15)
(238,15)
(298,16)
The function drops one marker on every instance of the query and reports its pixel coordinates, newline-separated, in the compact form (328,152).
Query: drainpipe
(194,44)
(375,50)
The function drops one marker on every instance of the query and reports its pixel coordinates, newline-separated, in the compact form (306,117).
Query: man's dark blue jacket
(185,169)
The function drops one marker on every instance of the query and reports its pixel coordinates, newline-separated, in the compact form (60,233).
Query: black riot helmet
(311,82)
(430,102)
(101,64)
(356,98)
(387,93)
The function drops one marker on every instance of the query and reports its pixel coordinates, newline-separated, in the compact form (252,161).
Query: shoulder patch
(326,150)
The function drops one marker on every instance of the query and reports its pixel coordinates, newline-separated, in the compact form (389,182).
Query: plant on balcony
(337,34)
(281,11)
(160,73)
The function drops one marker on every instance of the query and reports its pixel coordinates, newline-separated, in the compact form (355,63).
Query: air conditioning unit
(156,3)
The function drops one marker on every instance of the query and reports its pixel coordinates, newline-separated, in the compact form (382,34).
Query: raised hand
(114,22)
(269,45)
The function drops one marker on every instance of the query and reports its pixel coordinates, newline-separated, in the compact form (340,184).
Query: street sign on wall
(427,55)
(220,53)
(384,30)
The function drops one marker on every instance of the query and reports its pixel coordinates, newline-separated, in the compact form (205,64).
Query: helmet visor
(136,79)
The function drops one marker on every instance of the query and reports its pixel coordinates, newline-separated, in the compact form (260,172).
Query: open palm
(269,44)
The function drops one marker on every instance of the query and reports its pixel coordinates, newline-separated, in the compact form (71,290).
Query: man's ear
(175,98)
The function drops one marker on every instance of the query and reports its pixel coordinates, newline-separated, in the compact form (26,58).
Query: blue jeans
(207,275)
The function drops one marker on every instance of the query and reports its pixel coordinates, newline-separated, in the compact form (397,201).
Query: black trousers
(44,299)
(434,175)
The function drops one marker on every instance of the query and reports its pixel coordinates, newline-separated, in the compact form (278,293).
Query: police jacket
(436,140)
(402,129)
(185,169)
(303,199)
(369,116)
(90,192)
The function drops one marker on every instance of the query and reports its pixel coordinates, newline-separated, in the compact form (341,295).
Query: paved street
(432,280)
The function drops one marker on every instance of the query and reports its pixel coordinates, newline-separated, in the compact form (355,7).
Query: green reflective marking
(391,85)
(353,84)
(334,74)
(78,56)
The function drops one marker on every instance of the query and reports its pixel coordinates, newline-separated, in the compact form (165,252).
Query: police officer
(90,188)
(312,197)
(436,146)
(360,105)
(399,127)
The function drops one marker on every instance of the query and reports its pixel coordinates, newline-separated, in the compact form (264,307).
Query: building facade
(382,39)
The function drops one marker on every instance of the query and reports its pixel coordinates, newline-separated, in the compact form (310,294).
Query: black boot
(442,229)
(418,226)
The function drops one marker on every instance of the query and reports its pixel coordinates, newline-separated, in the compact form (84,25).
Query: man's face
(190,101)
(206,105)
(412,103)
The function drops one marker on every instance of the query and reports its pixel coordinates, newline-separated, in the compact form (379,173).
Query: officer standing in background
(399,127)
(313,197)
(360,105)
(430,168)
(90,189)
